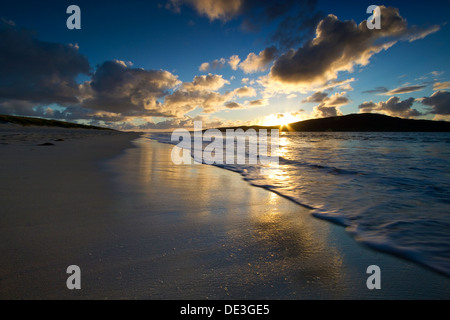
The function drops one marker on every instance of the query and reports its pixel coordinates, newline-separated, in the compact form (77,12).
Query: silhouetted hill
(361,122)
(370,122)
(29,121)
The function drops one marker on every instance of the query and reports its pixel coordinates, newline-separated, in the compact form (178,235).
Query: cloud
(213,9)
(114,87)
(439,102)
(328,105)
(202,92)
(181,102)
(182,122)
(296,29)
(416,33)
(244,92)
(253,12)
(316,97)
(258,103)
(206,82)
(399,90)
(253,63)
(204,66)
(257,63)
(233,105)
(441,85)
(234,62)
(38,71)
(213,65)
(377,90)
(406,89)
(393,107)
(337,99)
(324,111)
(339,46)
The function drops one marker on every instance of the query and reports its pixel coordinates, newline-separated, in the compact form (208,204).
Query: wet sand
(140,227)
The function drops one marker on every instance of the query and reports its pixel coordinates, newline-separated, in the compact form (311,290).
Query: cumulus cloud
(316,97)
(393,107)
(234,62)
(439,102)
(328,105)
(115,87)
(244,92)
(260,62)
(324,111)
(213,65)
(340,46)
(206,82)
(202,92)
(204,66)
(181,102)
(38,71)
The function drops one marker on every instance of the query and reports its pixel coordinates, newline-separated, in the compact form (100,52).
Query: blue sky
(138,64)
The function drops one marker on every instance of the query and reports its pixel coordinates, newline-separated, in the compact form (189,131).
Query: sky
(158,65)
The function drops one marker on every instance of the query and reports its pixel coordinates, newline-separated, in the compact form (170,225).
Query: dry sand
(141,227)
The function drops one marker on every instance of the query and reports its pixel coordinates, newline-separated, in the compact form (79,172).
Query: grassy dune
(29,121)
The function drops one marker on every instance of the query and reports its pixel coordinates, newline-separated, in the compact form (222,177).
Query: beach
(141,227)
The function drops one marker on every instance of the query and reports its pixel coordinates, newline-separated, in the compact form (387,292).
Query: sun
(280,119)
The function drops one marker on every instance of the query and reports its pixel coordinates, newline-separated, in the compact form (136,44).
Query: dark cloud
(377,90)
(439,102)
(399,90)
(406,89)
(257,103)
(295,30)
(339,46)
(38,71)
(253,12)
(316,97)
(296,20)
(115,87)
(393,106)
(233,105)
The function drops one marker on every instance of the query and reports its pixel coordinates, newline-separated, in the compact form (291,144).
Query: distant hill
(368,122)
(29,121)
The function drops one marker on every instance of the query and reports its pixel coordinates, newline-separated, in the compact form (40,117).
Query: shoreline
(141,227)
(402,279)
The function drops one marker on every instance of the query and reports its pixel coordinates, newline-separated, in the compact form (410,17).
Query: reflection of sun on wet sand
(139,226)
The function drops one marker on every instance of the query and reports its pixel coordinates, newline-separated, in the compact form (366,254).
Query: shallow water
(391,190)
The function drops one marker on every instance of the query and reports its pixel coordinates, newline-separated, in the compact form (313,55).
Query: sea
(390,190)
